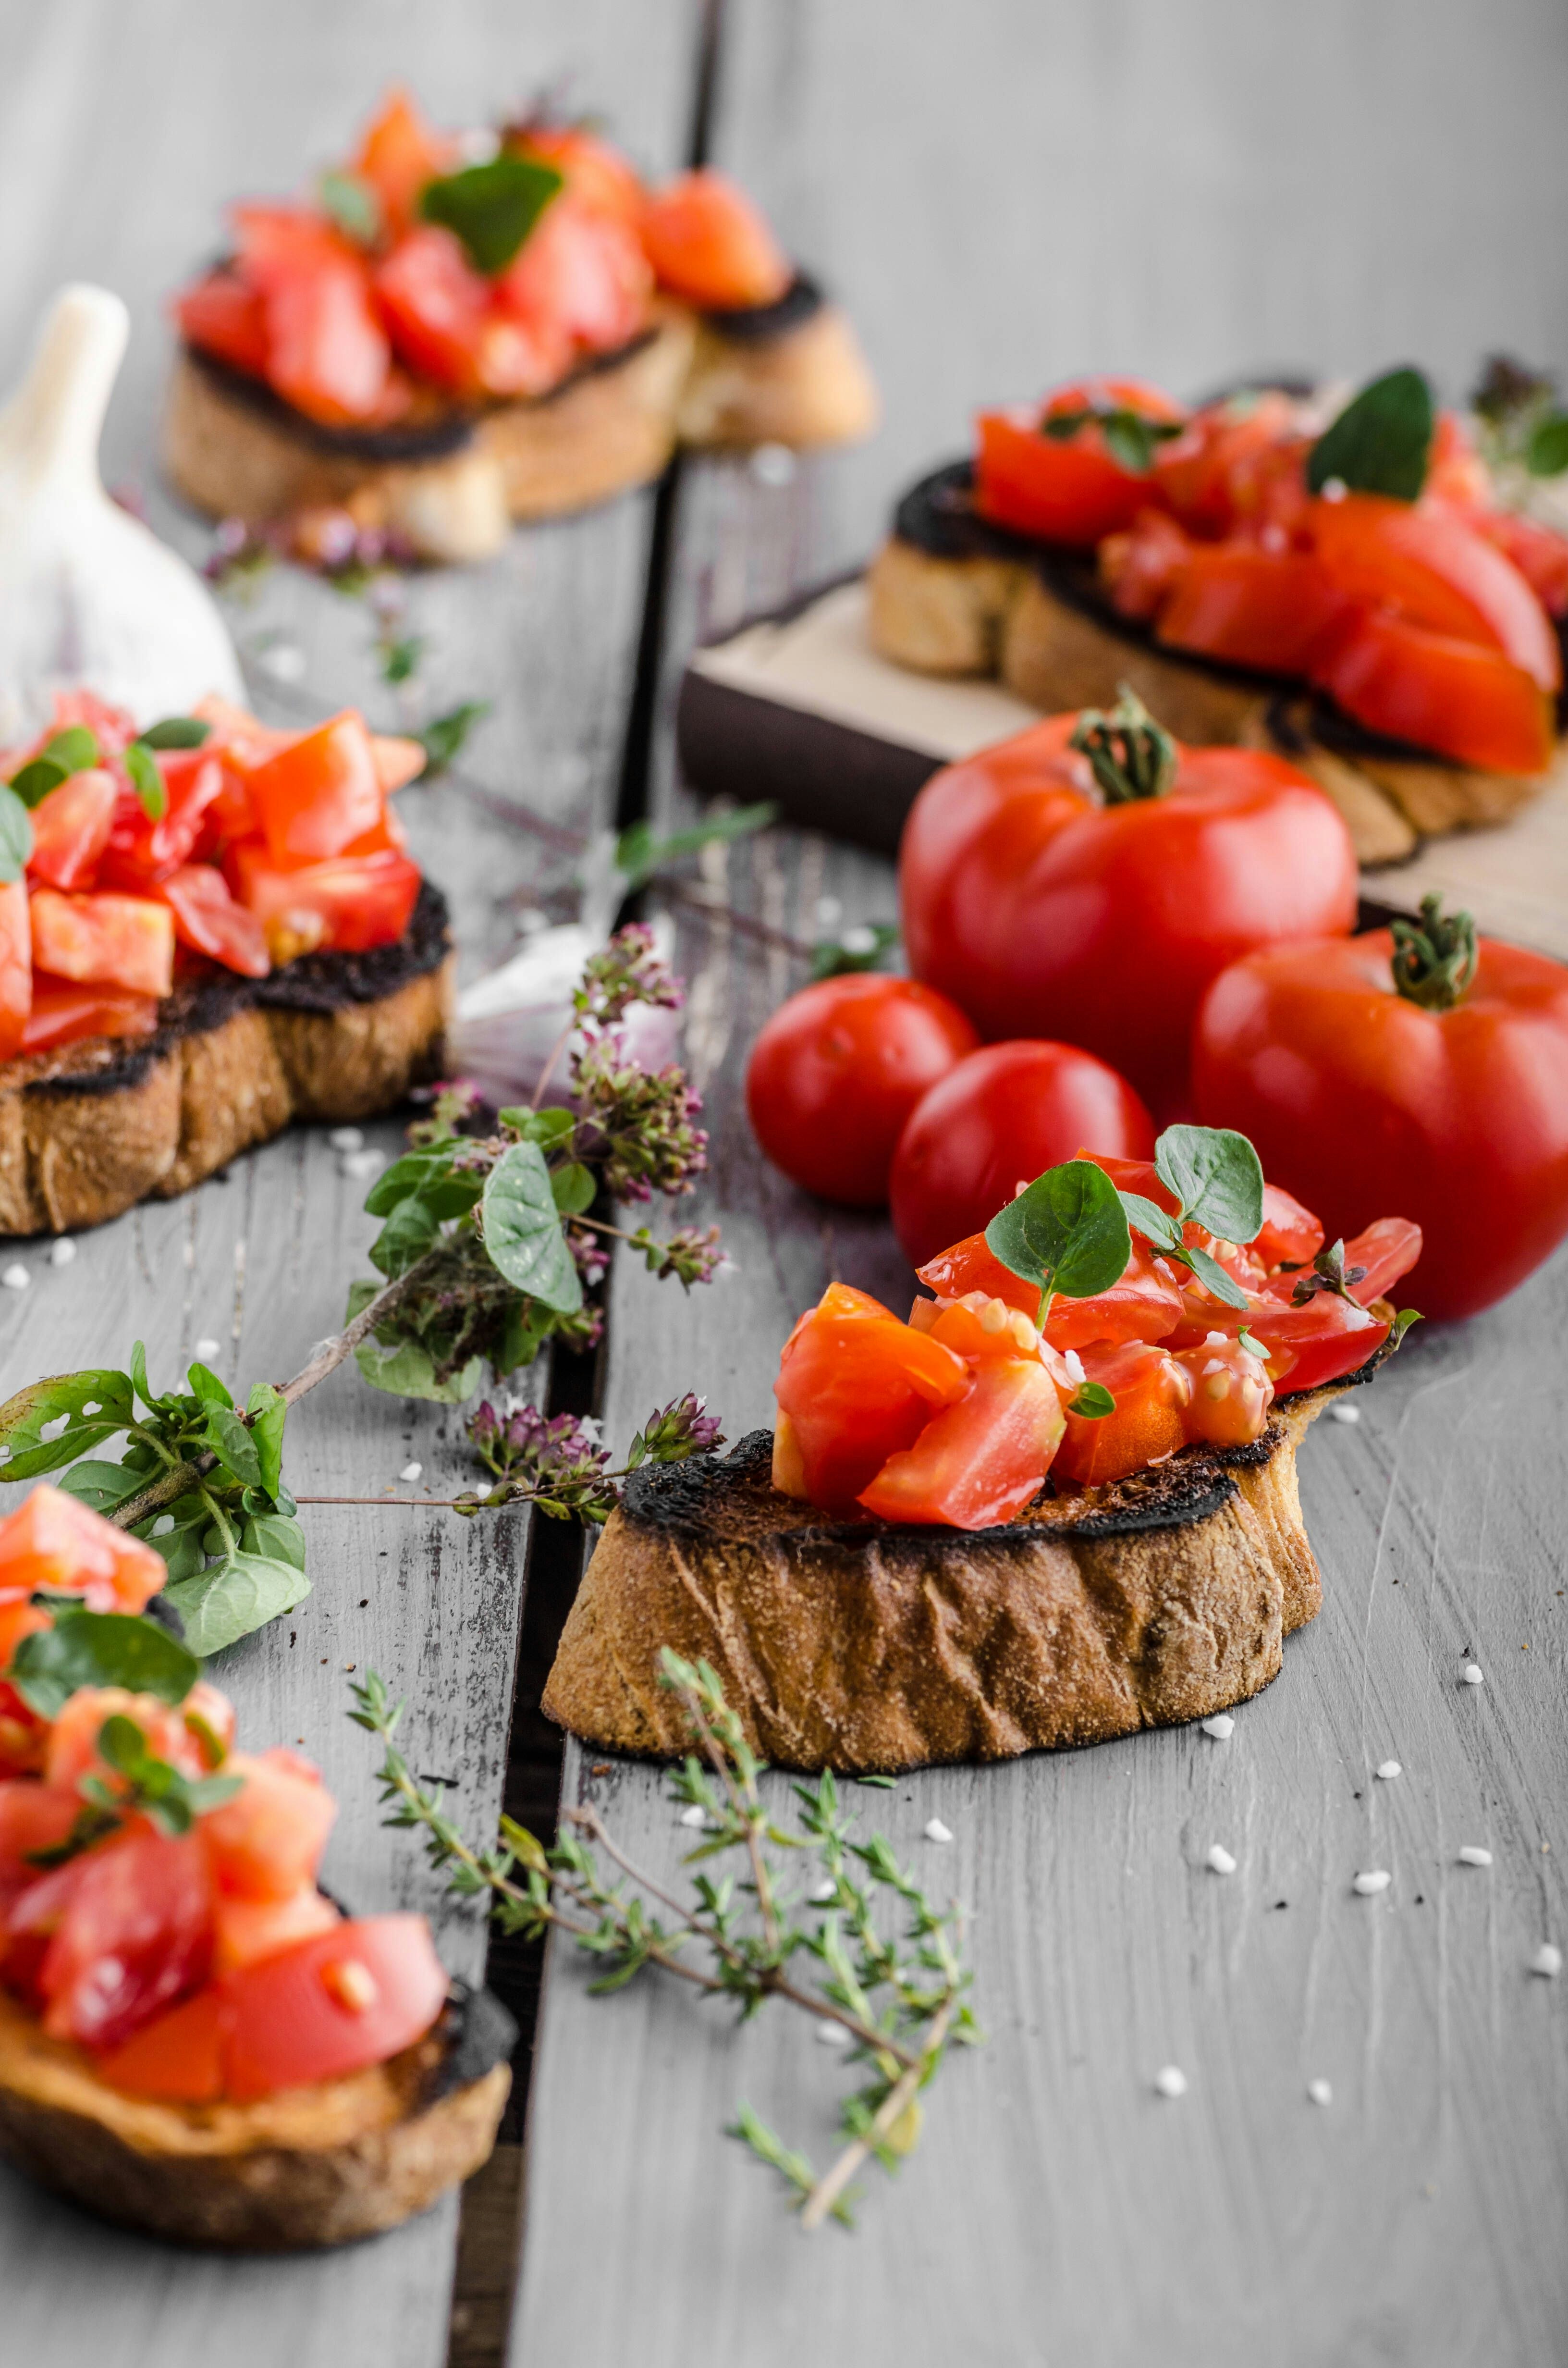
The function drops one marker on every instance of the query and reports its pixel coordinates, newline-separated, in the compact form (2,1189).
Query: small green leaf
(830,958)
(233,1598)
(1094,1402)
(412,1173)
(177,732)
(573,1188)
(522,1230)
(146,781)
(406,1235)
(35,779)
(546,1127)
(399,659)
(1546,453)
(1217,1177)
(1211,1273)
(269,1410)
(74,749)
(206,1387)
(232,1445)
(22,1419)
(275,1537)
(403,1368)
(1156,1224)
(1250,1341)
(1401,1324)
(16,834)
(1066,1233)
(491,207)
(353,204)
(100,1648)
(443,736)
(638,853)
(101,1485)
(1380,441)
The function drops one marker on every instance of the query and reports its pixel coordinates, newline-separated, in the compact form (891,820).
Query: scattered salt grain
(1219,1859)
(832,2034)
(1074,1364)
(63,1251)
(16,1278)
(1474,1855)
(411,1471)
(773,465)
(692,1816)
(859,939)
(824,1890)
(1320,2092)
(1334,489)
(1171,2081)
(1356,1319)
(1220,1728)
(1376,1878)
(346,1138)
(1473,1676)
(936,1831)
(1546,1959)
(829,911)
(1388,1769)
(207,1347)
(283,661)
(1216,1339)
(1343,1413)
(360,1164)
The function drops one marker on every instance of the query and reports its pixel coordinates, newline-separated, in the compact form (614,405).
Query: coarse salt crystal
(1215,1365)
(1472,1675)
(63,1251)
(1356,1319)
(692,1816)
(346,1138)
(16,1278)
(1389,1768)
(360,1164)
(1320,2092)
(1171,2081)
(411,1471)
(1343,1413)
(283,662)
(829,911)
(1215,1340)
(207,1347)
(1376,1878)
(1546,1959)
(1074,1364)
(825,1889)
(936,1831)
(1220,1728)
(1219,1859)
(773,465)
(832,2034)
(1474,1855)
(859,939)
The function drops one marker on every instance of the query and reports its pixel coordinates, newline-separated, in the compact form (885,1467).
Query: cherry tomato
(1064,489)
(223,314)
(71,828)
(51,1542)
(1436,571)
(267,1840)
(1276,610)
(857,1385)
(326,350)
(64,1011)
(1442,693)
(129,1930)
(983,1460)
(345,906)
(207,919)
(595,174)
(1144,1306)
(353,1996)
(998,1120)
(1361,1101)
(319,794)
(104,940)
(399,155)
(1152,1393)
(1037,908)
(15,966)
(708,243)
(580,274)
(838,1070)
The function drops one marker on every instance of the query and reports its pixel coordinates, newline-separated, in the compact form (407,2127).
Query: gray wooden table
(1003,193)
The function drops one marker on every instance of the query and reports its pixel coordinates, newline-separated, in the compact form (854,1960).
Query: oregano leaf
(1066,1233)
(522,1230)
(1216,1176)
(233,1598)
(100,1648)
(1380,441)
(177,732)
(16,834)
(491,207)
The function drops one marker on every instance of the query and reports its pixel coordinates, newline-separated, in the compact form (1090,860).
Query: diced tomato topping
(345,906)
(400,153)
(708,243)
(1140,565)
(208,920)
(53,1545)
(858,1387)
(1231,1393)
(1199,471)
(581,274)
(247,1931)
(142,851)
(62,1012)
(33,1818)
(983,1460)
(320,792)
(326,350)
(1274,610)
(178,2056)
(1539,554)
(595,173)
(398,762)
(1289,1233)
(74,1738)
(105,938)
(223,314)
(1436,571)
(16,967)
(1065,489)
(1144,1306)
(1442,693)
(1151,1393)
(354,1996)
(435,305)
(71,828)
(129,1930)
(268,1840)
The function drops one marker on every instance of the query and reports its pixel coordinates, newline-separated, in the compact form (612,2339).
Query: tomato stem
(1435,959)
(1130,755)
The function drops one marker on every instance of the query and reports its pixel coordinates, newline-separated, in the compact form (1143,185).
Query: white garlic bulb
(89,599)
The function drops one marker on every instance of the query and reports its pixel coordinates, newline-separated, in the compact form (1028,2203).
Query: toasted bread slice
(309,2167)
(90,1130)
(858,1645)
(788,373)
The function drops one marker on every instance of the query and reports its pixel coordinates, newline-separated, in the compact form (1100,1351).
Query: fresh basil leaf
(35,779)
(22,1419)
(1094,1402)
(491,207)
(101,1487)
(206,1387)
(545,1127)
(146,781)
(443,736)
(412,1173)
(1066,1233)
(1380,441)
(830,958)
(16,834)
(1217,1177)
(1211,1273)
(406,1235)
(1546,453)
(232,1445)
(573,1189)
(522,1230)
(182,1547)
(407,1371)
(353,204)
(233,1598)
(177,732)
(269,1410)
(1147,1217)
(638,854)
(100,1648)
(74,749)
(276,1538)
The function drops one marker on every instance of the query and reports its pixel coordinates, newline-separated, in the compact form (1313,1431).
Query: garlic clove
(89,597)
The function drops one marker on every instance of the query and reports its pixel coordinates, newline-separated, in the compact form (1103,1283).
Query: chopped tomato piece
(1276,610)
(435,305)
(345,906)
(708,243)
(1539,554)
(15,966)
(1067,489)
(398,762)
(580,273)
(223,314)
(268,1840)
(399,155)
(595,173)
(1198,470)
(208,920)
(1140,565)
(71,828)
(326,350)
(1437,570)
(54,1543)
(130,1928)
(1231,1393)
(857,1387)
(178,2056)
(74,1738)
(105,938)
(969,1266)
(62,1011)
(980,1462)
(112,727)
(247,1931)
(1454,696)
(142,851)
(354,1996)
(1152,1393)
(320,792)
(1143,1305)
(1289,1233)
(976,1327)
(33,1816)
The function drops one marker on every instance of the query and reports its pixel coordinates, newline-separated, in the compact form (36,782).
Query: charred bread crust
(788,373)
(861,1646)
(951,592)
(309,2167)
(87,1132)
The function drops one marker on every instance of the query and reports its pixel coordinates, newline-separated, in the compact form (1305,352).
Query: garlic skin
(89,599)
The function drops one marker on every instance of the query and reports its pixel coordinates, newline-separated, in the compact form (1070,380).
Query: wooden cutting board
(798,707)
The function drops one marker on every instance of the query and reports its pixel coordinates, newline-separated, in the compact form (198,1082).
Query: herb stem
(831,2186)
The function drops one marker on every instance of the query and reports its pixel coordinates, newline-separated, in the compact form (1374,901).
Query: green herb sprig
(1066,1233)
(1130,438)
(491,207)
(1382,441)
(1216,1179)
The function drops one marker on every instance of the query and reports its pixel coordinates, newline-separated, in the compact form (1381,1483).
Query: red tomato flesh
(53,1545)
(856,1388)
(15,966)
(326,350)
(1436,571)
(1066,490)
(64,1011)
(1441,693)
(399,153)
(983,1460)
(105,939)
(1152,1393)
(345,906)
(316,795)
(129,1927)
(208,920)
(708,243)
(268,1842)
(351,1997)
(71,828)
(1274,610)
(223,314)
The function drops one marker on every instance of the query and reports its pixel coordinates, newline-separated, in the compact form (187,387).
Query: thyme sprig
(900,2000)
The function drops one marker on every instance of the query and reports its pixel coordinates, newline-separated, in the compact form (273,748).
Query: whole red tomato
(1094,902)
(1444,1094)
(836,1071)
(997,1120)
